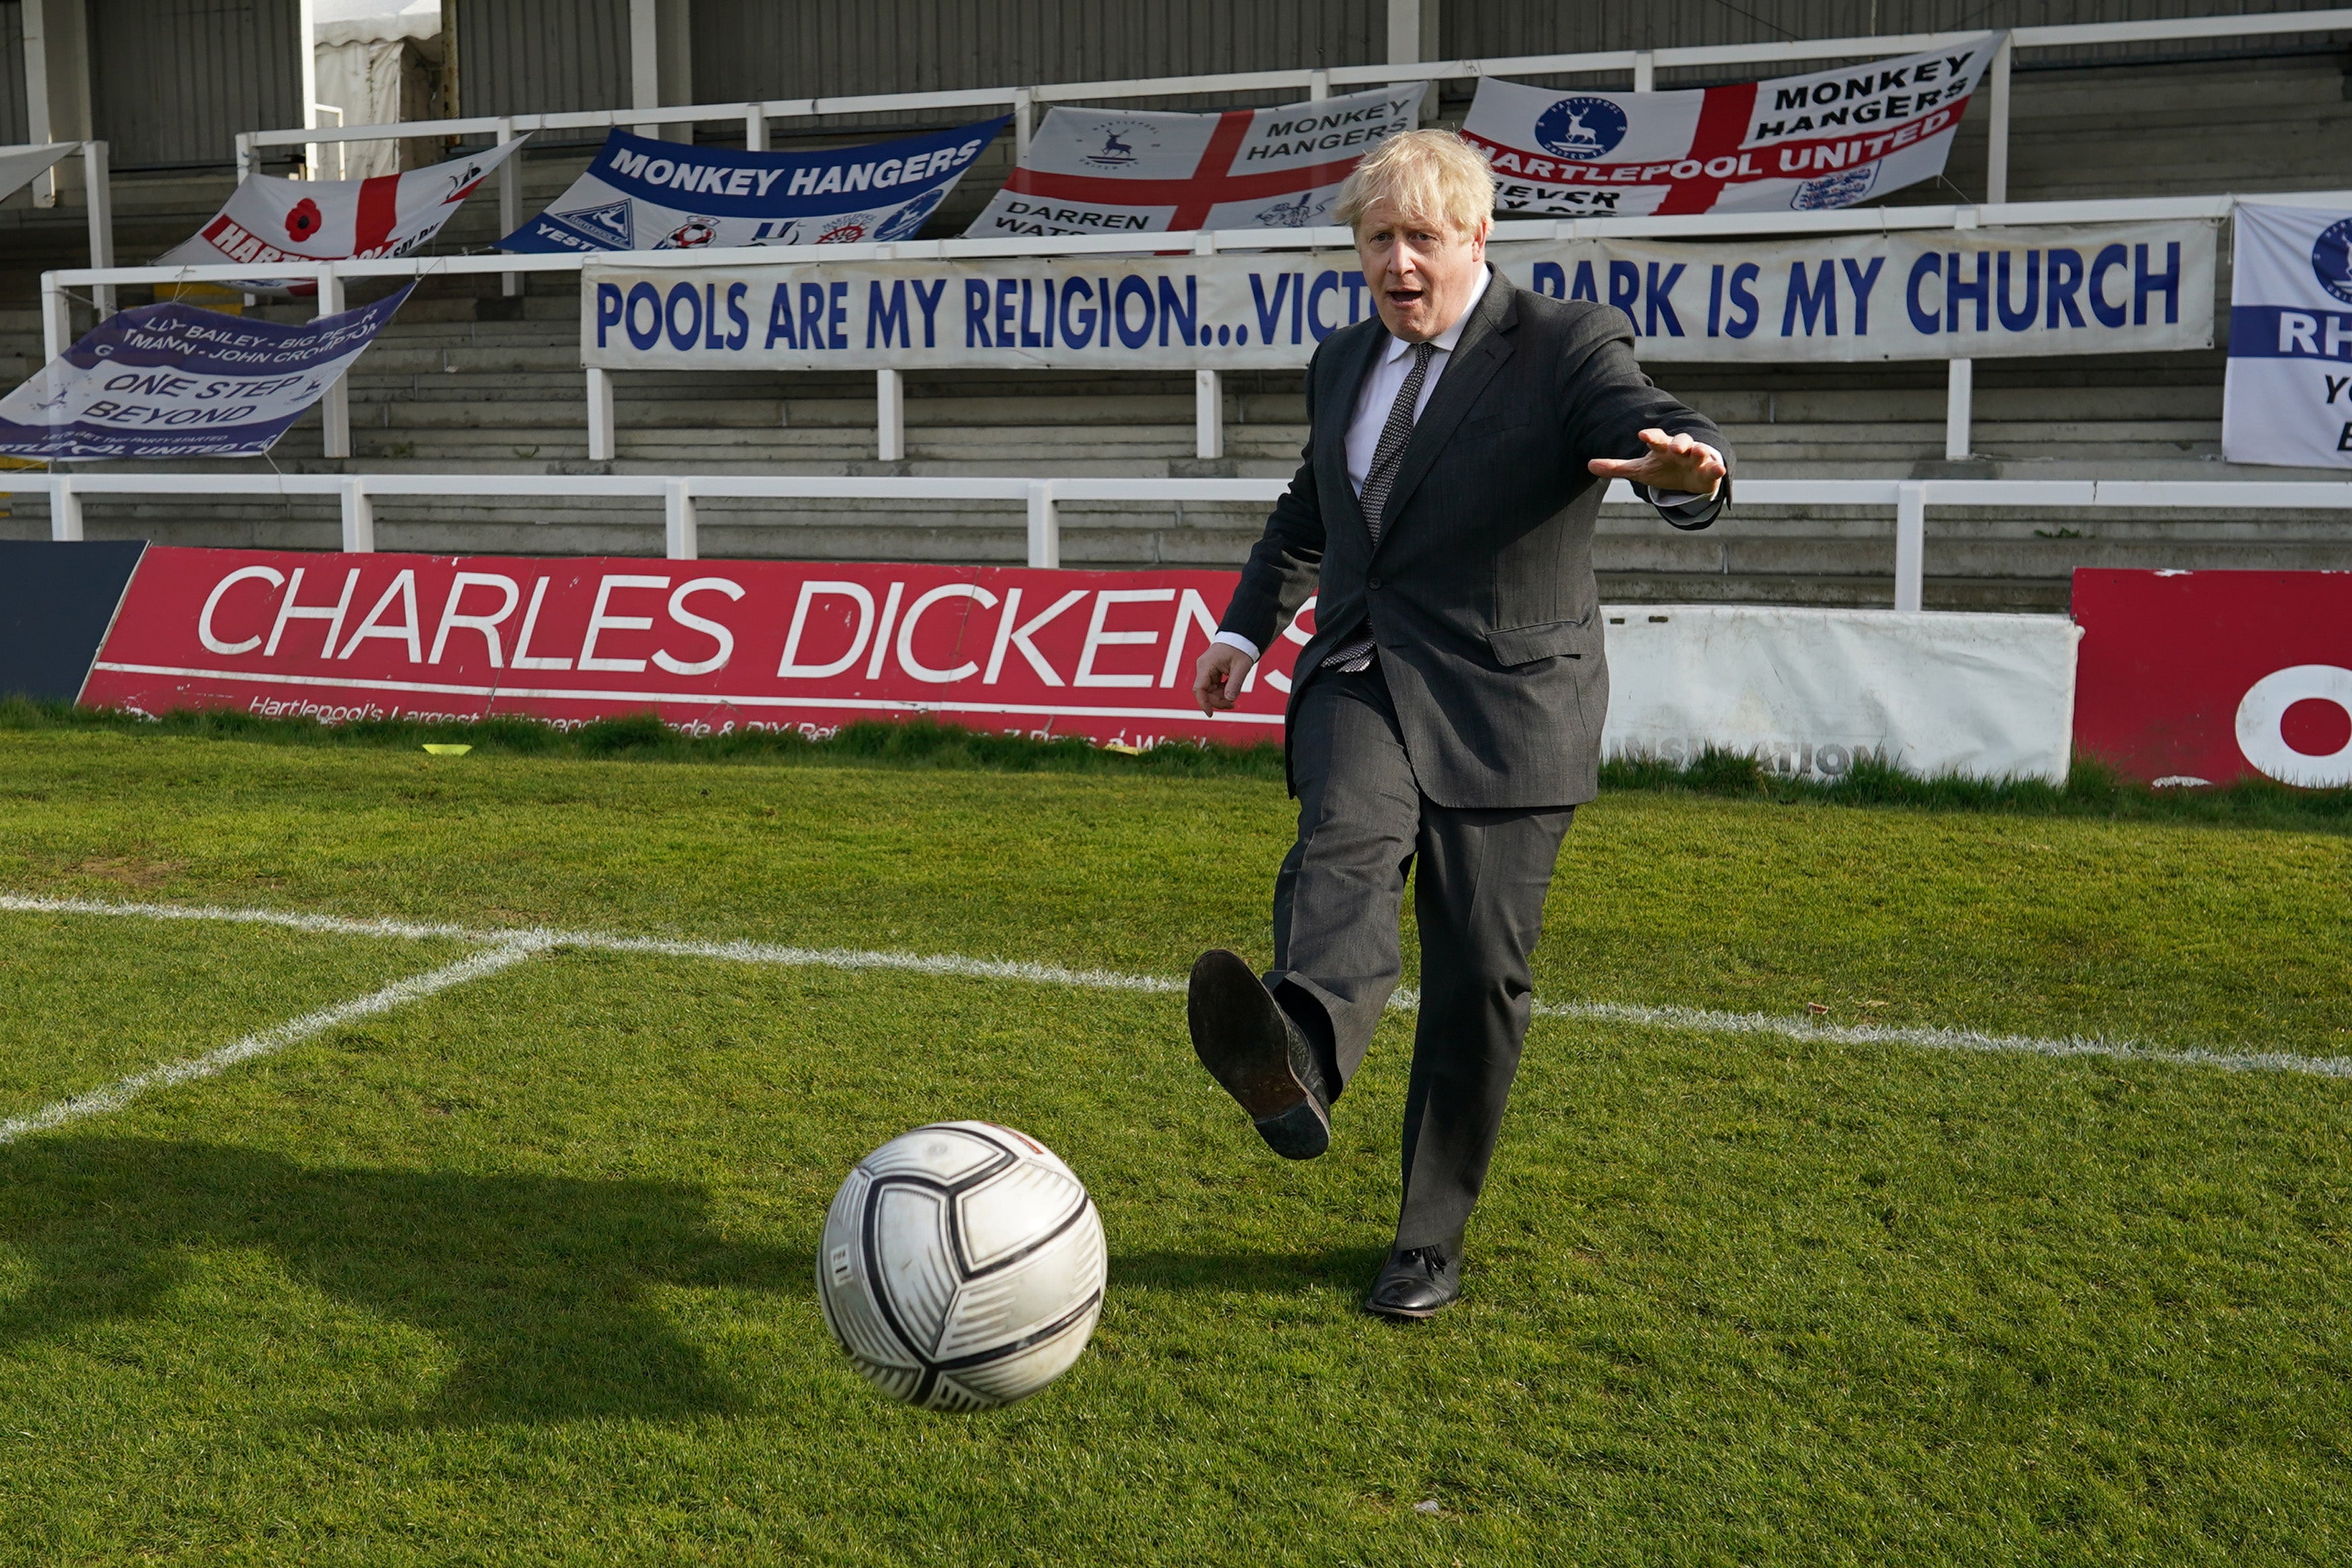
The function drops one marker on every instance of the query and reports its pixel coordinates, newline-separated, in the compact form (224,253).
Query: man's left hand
(1672,463)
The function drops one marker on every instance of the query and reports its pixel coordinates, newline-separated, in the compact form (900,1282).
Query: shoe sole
(1409,1315)
(1239,1036)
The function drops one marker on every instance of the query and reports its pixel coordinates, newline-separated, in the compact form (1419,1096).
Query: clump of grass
(2092,788)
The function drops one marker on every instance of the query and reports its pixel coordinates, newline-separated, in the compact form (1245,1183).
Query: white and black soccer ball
(963,1267)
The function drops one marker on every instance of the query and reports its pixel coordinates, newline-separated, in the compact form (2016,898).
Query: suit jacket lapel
(1333,415)
(1484,346)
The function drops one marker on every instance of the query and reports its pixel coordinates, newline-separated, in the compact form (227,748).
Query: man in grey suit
(1448,710)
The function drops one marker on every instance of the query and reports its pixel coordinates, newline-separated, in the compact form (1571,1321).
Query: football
(963,1267)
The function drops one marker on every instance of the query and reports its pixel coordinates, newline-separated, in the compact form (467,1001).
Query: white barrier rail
(1642,65)
(1910,498)
(332,278)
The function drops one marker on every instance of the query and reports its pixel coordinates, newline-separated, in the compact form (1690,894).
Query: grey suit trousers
(1478,898)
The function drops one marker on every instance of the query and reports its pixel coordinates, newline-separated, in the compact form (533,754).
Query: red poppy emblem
(304,220)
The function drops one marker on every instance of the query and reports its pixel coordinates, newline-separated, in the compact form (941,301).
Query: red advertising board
(2203,677)
(712,646)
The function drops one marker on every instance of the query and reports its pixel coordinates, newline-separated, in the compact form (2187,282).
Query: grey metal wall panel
(542,56)
(756,48)
(13,127)
(1483,29)
(173,81)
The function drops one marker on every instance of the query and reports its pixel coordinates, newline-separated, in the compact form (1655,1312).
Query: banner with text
(2288,396)
(1094,170)
(1829,139)
(722,646)
(639,193)
(2195,678)
(715,646)
(269,222)
(173,380)
(1963,294)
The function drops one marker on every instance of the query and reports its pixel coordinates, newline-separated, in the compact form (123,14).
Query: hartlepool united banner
(271,220)
(171,380)
(1916,295)
(2288,396)
(644,195)
(1826,139)
(1091,170)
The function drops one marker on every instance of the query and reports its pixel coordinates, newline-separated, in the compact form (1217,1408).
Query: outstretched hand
(1675,463)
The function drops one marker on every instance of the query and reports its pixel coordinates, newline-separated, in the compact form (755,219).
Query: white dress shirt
(1378,396)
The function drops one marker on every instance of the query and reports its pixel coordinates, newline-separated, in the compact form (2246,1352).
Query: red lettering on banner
(2205,677)
(739,644)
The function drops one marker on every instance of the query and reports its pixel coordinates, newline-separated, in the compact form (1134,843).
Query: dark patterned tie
(1388,456)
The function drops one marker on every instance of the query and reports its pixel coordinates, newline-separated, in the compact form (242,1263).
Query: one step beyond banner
(174,381)
(1923,294)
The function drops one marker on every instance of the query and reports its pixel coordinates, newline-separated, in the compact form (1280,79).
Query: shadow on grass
(1349,1267)
(536,1284)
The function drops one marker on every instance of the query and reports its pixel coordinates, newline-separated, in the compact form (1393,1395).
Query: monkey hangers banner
(1928,295)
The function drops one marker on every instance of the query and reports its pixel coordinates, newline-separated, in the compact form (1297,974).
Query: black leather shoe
(1416,1282)
(1260,1055)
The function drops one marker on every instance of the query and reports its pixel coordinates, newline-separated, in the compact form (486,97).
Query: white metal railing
(1642,65)
(333,277)
(1910,498)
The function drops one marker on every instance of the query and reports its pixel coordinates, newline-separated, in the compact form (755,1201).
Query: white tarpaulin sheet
(1807,691)
(2288,396)
(19,166)
(1919,295)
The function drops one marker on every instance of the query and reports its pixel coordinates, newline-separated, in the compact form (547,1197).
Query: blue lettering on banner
(1179,316)
(683,337)
(1329,283)
(2111,258)
(608,311)
(2166,283)
(1658,302)
(736,317)
(1551,278)
(975,314)
(646,295)
(1625,290)
(637,188)
(930,302)
(1269,315)
(1743,296)
(1818,301)
(2017,319)
(812,316)
(2066,281)
(1132,288)
(886,315)
(2280,332)
(780,319)
(1078,326)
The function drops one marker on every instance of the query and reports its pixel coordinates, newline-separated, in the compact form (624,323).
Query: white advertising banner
(1810,691)
(2288,396)
(1094,170)
(269,222)
(1829,139)
(1965,294)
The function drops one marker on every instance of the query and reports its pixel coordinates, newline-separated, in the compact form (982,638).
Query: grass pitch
(521,1271)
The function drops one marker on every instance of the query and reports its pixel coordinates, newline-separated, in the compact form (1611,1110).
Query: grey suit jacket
(1480,592)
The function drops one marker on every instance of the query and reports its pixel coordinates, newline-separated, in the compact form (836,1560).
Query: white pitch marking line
(268,1041)
(1700,1021)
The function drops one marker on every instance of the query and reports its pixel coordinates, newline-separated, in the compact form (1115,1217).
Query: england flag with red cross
(271,222)
(1829,138)
(1092,171)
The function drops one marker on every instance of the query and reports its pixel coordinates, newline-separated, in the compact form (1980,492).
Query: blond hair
(1431,175)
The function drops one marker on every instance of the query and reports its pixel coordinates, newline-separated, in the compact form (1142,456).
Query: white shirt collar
(1446,340)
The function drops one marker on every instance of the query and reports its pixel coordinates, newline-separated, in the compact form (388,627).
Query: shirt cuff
(1235,640)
